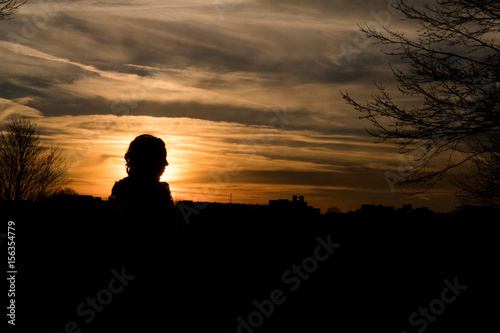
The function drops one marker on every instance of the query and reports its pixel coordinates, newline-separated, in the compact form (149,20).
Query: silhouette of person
(148,214)
(146,204)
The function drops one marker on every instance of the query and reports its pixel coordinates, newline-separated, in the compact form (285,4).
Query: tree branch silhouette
(453,70)
(28,169)
(9,7)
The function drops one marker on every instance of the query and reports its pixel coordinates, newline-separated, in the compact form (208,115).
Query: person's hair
(146,155)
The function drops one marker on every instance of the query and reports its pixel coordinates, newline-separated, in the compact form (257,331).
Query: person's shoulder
(165,189)
(165,185)
(121,185)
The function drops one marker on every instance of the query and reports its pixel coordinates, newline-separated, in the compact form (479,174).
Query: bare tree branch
(28,169)
(9,7)
(454,70)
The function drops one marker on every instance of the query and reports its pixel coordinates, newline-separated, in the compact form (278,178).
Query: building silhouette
(297,205)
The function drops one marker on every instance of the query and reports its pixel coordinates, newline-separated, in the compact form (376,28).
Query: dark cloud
(297,119)
(301,50)
(365,178)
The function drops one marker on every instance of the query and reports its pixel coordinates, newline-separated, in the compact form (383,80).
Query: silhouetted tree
(9,7)
(333,210)
(28,169)
(453,70)
(64,192)
(482,185)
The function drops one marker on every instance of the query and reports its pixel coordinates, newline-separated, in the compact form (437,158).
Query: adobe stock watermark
(32,25)
(425,315)
(122,106)
(89,309)
(416,158)
(458,116)
(382,18)
(223,6)
(292,279)
(251,146)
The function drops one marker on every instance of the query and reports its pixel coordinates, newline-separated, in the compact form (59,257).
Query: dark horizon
(362,206)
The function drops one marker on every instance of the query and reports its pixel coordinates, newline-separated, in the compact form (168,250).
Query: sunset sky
(246,95)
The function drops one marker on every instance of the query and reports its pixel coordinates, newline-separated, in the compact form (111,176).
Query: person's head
(146,158)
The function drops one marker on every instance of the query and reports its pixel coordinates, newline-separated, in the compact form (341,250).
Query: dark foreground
(245,270)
